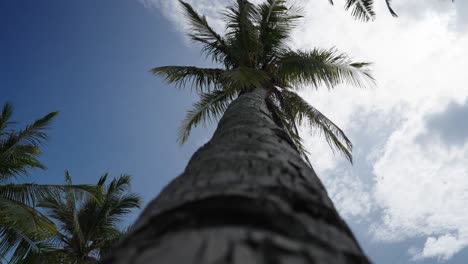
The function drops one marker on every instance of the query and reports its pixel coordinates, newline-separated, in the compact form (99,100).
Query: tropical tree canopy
(21,225)
(254,53)
(88,225)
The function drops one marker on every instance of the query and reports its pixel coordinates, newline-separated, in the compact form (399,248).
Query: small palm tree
(254,54)
(21,225)
(88,224)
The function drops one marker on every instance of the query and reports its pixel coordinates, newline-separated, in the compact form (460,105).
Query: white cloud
(457,10)
(419,190)
(423,191)
(442,247)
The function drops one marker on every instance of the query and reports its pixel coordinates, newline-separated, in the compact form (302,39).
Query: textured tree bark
(245,197)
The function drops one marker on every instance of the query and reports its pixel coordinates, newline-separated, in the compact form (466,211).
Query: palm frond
(19,150)
(16,246)
(275,21)
(88,224)
(335,137)
(20,216)
(7,112)
(18,161)
(200,79)
(49,252)
(284,119)
(213,44)
(390,9)
(33,134)
(30,193)
(244,79)
(12,242)
(242,34)
(322,67)
(102,179)
(210,107)
(361,9)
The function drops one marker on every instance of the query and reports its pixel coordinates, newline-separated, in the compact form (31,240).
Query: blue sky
(90,60)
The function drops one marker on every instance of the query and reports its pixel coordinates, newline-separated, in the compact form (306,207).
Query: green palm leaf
(283,117)
(20,227)
(210,107)
(322,67)
(31,193)
(200,79)
(361,9)
(213,44)
(88,224)
(19,149)
(335,137)
(242,33)
(244,79)
(7,112)
(275,21)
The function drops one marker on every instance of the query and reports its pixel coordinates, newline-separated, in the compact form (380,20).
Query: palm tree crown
(20,223)
(88,224)
(254,54)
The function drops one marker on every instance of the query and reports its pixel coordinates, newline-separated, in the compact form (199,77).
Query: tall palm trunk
(245,197)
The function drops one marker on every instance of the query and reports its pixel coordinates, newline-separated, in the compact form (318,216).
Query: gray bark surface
(245,197)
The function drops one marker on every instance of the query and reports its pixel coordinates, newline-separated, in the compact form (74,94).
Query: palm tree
(248,195)
(88,224)
(21,225)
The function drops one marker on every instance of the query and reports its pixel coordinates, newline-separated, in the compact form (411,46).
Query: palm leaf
(7,112)
(213,44)
(20,227)
(275,21)
(14,245)
(210,107)
(19,149)
(244,79)
(18,160)
(33,134)
(89,225)
(322,67)
(30,193)
(200,79)
(361,9)
(242,34)
(16,215)
(390,9)
(284,119)
(335,137)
